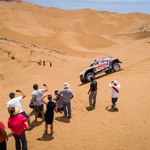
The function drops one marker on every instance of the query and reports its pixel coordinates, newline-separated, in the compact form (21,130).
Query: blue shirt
(66,93)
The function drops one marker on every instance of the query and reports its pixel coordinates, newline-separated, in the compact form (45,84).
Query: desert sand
(71,40)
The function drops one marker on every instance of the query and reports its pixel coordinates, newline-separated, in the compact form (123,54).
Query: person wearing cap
(3,137)
(67,95)
(92,93)
(16,102)
(17,125)
(115,86)
(36,98)
(49,114)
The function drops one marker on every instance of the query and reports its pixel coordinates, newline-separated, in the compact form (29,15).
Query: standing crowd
(19,121)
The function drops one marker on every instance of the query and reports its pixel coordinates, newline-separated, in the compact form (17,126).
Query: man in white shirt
(15,102)
(115,86)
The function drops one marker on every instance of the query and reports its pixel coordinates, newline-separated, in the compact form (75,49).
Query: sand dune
(71,40)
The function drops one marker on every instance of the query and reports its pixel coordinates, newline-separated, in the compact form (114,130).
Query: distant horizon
(118,6)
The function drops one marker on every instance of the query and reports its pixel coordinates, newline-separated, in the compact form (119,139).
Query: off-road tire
(116,67)
(89,75)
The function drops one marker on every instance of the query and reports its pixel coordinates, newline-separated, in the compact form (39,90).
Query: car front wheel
(116,67)
(89,75)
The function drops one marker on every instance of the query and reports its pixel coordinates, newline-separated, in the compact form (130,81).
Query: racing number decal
(102,66)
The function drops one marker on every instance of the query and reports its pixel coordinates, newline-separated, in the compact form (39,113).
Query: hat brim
(16,111)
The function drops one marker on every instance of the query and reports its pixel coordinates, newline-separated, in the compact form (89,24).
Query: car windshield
(94,63)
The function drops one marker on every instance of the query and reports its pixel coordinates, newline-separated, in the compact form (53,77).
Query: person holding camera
(115,86)
(16,102)
(36,98)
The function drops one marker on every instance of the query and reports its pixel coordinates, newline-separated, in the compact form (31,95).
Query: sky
(118,6)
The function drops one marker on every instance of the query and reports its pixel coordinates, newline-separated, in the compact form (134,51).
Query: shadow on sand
(63,119)
(110,109)
(46,137)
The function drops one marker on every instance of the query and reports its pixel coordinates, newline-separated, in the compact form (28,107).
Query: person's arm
(55,109)
(33,98)
(8,108)
(110,84)
(4,134)
(118,85)
(71,96)
(42,98)
(23,95)
(45,87)
(89,91)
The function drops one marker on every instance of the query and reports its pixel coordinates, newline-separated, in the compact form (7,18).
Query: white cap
(66,84)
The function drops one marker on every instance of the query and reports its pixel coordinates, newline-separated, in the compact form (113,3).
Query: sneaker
(69,116)
(116,109)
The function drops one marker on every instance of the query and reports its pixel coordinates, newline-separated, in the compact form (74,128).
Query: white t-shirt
(37,94)
(114,93)
(15,102)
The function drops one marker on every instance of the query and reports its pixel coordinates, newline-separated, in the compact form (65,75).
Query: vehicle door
(102,64)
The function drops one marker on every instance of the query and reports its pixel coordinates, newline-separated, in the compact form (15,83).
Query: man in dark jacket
(92,93)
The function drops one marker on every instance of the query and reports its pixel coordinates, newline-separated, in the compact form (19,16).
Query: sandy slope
(69,40)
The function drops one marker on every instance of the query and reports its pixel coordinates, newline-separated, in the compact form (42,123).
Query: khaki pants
(92,99)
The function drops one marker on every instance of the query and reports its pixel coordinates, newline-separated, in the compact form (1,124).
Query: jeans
(114,100)
(92,99)
(67,108)
(20,139)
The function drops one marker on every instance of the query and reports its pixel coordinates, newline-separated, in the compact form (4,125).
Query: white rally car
(104,64)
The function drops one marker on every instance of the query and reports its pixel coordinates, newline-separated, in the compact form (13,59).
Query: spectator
(15,102)
(39,62)
(115,86)
(67,95)
(92,93)
(43,62)
(16,123)
(49,114)
(3,137)
(50,64)
(59,101)
(36,98)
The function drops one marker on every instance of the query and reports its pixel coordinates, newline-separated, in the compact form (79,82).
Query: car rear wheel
(89,75)
(116,67)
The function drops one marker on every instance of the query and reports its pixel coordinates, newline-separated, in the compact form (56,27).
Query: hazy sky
(119,6)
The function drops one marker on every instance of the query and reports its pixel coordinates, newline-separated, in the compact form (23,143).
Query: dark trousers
(3,145)
(114,100)
(20,139)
